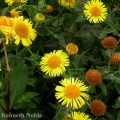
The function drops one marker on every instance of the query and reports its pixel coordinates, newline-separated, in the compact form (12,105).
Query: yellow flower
(6,21)
(71,48)
(72,93)
(24,31)
(8,32)
(95,11)
(6,24)
(79,116)
(10,2)
(54,63)
(39,17)
(68,3)
(15,13)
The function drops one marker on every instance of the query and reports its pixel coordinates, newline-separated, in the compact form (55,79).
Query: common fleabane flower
(72,93)
(24,31)
(10,2)
(68,3)
(6,24)
(95,11)
(14,13)
(54,63)
(79,116)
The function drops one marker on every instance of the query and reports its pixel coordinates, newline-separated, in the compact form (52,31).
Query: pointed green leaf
(103,88)
(19,76)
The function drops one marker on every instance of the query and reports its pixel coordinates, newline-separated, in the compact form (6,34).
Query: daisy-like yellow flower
(72,93)
(6,24)
(14,13)
(79,116)
(24,31)
(71,48)
(54,63)
(6,21)
(68,3)
(10,2)
(95,11)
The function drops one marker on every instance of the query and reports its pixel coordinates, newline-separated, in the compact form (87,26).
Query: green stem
(30,51)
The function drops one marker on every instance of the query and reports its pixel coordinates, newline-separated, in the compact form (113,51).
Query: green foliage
(19,76)
(32,91)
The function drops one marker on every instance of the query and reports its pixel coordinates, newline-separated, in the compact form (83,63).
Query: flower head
(93,77)
(79,116)
(72,93)
(48,9)
(97,107)
(115,58)
(39,17)
(68,3)
(71,48)
(95,11)
(10,2)
(6,21)
(109,42)
(24,31)
(6,24)
(54,63)
(14,13)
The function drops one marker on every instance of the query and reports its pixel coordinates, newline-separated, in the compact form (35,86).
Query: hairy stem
(8,87)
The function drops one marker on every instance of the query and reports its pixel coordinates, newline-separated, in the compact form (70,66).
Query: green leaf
(118,115)
(104,32)
(103,88)
(117,104)
(1,111)
(117,86)
(19,76)
(58,36)
(58,22)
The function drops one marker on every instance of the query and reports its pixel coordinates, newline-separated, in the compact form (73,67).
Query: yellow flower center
(72,91)
(54,62)
(22,30)
(68,1)
(95,11)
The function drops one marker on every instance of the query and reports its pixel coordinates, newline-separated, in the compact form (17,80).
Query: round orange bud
(97,107)
(109,42)
(115,58)
(48,9)
(93,77)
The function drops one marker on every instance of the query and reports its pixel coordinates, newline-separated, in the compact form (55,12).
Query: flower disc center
(95,11)
(22,30)
(72,91)
(54,62)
